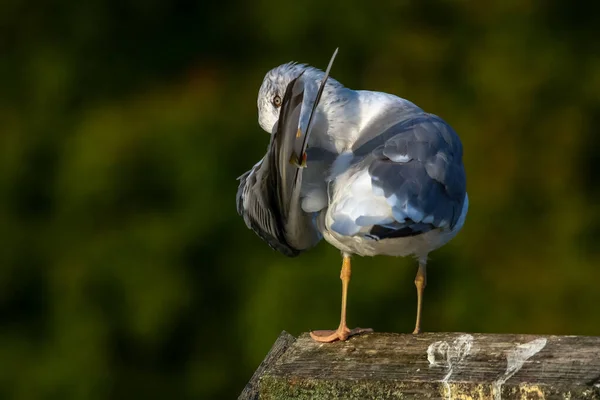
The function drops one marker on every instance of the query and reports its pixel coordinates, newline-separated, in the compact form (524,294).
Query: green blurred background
(125,271)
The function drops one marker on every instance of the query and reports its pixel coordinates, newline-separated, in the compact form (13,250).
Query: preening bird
(370,172)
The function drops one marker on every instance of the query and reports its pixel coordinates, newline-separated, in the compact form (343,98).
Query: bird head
(272,90)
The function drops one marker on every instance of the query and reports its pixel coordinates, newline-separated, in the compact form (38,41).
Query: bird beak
(300,163)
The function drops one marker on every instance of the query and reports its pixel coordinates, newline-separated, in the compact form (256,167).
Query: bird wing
(254,205)
(305,120)
(407,181)
(269,195)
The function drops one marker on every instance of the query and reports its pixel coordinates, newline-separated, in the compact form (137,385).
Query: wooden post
(430,366)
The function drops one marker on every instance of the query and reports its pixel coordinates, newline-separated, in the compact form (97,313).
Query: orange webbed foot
(341,334)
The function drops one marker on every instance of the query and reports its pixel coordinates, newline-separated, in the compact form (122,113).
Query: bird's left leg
(420,283)
(342,332)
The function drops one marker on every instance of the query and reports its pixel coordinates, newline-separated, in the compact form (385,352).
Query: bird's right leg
(420,283)
(342,332)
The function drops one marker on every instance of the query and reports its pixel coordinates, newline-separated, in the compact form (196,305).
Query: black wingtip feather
(379,232)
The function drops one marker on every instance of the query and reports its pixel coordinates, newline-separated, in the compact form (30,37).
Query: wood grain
(282,343)
(434,366)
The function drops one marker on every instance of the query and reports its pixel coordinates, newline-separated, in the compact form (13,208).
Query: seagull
(370,172)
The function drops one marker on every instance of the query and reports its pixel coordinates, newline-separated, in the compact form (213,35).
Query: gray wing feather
(268,194)
(418,167)
(253,204)
(268,197)
(304,143)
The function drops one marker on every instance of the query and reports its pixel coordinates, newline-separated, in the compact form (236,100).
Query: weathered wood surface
(282,343)
(432,366)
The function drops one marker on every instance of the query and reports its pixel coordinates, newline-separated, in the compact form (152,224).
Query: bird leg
(342,333)
(420,283)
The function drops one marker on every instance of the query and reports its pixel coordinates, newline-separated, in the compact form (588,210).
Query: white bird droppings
(450,355)
(515,360)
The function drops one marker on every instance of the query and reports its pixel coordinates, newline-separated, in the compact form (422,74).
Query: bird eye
(277,101)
